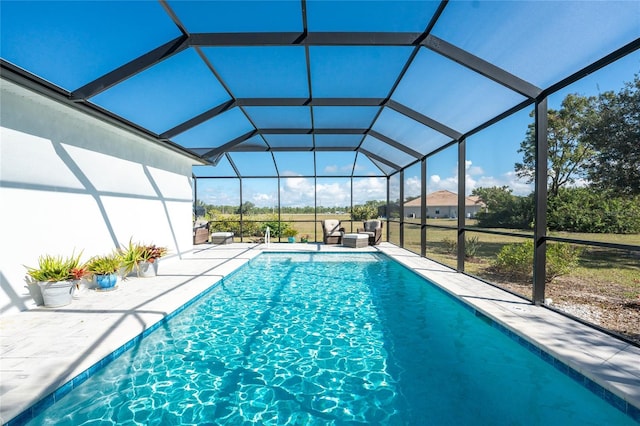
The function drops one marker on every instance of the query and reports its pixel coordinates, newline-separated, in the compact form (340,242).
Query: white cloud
(263,199)
(333,194)
(519,185)
(296,191)
(367,189)
(331,169)
(412,187)
(510,179)
(476,178)
(214,196)
(473,170)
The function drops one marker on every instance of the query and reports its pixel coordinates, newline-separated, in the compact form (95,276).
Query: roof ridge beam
(481,66)
(249,102)
(310,131)
(246,39)
(308,38)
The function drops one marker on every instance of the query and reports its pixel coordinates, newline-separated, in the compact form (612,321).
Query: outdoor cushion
(331,231)
(373,228)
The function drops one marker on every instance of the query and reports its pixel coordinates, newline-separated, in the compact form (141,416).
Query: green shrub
(290,232)
(225,223)
(503,209)
(364,212)
(277,229)
(517,260)
(561,259)
(587,210)
(450,245)
(471,246)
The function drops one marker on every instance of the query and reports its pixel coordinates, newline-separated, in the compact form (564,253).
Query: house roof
(445,198)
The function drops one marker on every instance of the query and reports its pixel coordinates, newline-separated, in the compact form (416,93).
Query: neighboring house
(444,204)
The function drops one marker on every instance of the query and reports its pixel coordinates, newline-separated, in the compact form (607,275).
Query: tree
(614,135)
(504,210)
(245,208)
(568,154)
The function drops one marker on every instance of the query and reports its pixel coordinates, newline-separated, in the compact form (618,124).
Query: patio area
(165,114)
(44,349)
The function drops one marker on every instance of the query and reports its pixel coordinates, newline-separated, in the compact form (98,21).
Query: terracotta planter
(58,293)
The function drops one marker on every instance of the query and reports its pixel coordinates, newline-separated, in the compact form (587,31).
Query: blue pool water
(345,339)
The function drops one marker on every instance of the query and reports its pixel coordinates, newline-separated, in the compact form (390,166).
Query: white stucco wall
(69,181)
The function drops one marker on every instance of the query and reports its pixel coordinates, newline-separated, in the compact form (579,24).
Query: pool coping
(605,365)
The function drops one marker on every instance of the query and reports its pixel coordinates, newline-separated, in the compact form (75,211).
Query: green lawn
(308,224)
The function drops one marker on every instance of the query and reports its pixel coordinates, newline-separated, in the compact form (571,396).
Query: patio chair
(373,228)
(201,233)
(331,231)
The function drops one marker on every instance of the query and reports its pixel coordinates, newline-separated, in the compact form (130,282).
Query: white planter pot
(148,269)
(35,292)
(56,294)
(81,287)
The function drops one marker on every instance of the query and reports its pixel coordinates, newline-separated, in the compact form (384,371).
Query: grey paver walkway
(43,348)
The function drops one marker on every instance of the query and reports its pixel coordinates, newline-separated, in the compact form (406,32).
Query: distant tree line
(248,208)
(594,141)
(368,210)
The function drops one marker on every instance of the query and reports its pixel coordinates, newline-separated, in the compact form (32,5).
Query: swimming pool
(329,338)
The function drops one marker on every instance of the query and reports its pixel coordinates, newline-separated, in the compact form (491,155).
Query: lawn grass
(310,224)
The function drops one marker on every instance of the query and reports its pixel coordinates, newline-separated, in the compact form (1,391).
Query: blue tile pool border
(37,408)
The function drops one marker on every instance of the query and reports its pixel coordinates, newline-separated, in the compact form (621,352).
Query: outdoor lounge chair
(332,232)
(201,233)
(373,228)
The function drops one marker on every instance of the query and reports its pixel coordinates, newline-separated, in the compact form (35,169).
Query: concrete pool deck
(44,348)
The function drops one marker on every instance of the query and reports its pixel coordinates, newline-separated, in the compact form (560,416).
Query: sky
(541,42)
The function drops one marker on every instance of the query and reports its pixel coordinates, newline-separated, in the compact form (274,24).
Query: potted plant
(130,257)
(290,233)
(304,238)
(105,270)
(149,255)
(57,277)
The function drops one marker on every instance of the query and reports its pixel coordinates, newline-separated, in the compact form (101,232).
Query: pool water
(344,339)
